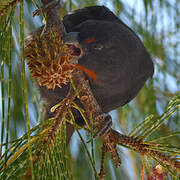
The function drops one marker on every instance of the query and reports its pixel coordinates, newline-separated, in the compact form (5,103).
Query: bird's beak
(71,38)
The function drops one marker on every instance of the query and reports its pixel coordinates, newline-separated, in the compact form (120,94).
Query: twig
(92,107)
(7,6)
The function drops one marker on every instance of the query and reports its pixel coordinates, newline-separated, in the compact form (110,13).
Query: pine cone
(50,60)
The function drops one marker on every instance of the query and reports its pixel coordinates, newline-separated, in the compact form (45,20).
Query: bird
(110,49)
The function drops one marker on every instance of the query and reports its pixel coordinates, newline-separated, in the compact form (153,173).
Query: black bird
(113,51)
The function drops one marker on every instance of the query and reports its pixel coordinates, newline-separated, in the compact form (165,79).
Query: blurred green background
(157,22)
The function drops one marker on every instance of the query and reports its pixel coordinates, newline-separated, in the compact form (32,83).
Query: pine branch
(111,138)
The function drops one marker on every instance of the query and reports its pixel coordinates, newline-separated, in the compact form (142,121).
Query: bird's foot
(103,123)
(104,126)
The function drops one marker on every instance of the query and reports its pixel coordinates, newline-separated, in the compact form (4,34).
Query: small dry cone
(49,60)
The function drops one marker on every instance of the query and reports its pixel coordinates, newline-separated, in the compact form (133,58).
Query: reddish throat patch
(91,74)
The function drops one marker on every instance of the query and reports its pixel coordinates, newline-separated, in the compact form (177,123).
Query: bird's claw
(104,127)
